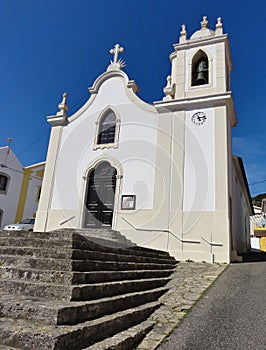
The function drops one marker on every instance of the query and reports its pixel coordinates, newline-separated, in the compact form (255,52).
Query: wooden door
(100,196)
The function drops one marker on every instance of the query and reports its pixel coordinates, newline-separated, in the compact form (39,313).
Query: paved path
(230,316)
(187,284)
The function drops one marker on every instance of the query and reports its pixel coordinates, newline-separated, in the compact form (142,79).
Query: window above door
(107,129)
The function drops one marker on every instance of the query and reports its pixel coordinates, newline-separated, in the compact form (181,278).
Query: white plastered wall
(136,154)
(9,200)
(199,167)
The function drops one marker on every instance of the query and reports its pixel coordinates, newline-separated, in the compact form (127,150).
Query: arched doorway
(100,196)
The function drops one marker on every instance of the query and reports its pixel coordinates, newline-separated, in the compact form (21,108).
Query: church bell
(202,73)
(201,78)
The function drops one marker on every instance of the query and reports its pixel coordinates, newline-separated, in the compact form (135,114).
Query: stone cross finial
(116,51)
(204,23)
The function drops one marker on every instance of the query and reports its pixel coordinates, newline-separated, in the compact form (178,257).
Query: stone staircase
(74,290)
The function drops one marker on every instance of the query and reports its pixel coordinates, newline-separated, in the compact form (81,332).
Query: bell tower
(201,64)
(198,105)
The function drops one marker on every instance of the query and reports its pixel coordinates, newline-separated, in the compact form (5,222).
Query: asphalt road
(230,316)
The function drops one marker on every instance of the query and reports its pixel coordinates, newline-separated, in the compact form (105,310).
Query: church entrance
(100,196)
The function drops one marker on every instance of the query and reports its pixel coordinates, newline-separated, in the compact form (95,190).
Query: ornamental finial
(169,90)
(219,27)
(63,107)
(183,34)
(204,23)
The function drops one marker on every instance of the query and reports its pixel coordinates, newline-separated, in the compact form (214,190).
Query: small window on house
(200,69)
(3,183)
(1,216)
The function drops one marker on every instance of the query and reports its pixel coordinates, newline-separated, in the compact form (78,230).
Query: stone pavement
(189,281)
(230,316)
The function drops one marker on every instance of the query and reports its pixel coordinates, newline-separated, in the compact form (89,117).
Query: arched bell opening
(200,69)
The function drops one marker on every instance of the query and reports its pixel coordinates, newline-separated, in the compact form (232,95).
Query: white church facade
(163,174)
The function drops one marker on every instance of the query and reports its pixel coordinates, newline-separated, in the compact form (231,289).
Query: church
(163,174)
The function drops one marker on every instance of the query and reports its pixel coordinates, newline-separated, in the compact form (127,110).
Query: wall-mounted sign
(128,202)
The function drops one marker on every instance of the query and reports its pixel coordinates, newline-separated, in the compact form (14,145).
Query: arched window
(3,183)
(107,126)
(107,130)
(200,69)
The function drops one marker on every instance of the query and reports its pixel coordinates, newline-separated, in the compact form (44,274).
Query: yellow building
(19,188)
(30,191)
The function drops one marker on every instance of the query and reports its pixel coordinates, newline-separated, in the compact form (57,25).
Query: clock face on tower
(199,118)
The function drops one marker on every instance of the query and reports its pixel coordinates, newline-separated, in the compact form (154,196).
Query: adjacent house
(11,177)
(19,187)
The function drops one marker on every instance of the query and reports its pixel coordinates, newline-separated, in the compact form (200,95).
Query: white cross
(115,51)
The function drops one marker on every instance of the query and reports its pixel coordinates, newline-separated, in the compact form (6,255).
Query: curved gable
(109,81)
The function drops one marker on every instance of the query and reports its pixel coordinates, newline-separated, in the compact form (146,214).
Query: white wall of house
(11,166)
(241,211)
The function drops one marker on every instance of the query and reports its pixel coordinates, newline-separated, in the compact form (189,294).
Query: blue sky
(52,46)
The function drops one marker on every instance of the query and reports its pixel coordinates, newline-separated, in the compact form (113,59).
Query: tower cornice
(196,43)
(199,102)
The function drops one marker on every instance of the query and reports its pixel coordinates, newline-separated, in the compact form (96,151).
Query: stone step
(150,251)
(60,312)
(126,340)
(84,242)
(26,335)
(78,254)
(69,277)
(79,265)
(79,292)
(77,241)
(110,243)
(49,276)
(81,240)
(70,240)
(37,263)
(103,233)
(107,238)
(35,242)
(64,235)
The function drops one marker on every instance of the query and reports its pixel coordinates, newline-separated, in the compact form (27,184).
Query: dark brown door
(100,196)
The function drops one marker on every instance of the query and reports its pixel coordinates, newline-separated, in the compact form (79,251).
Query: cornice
(199,42)
(199,102)
(131,90)
(110,74)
